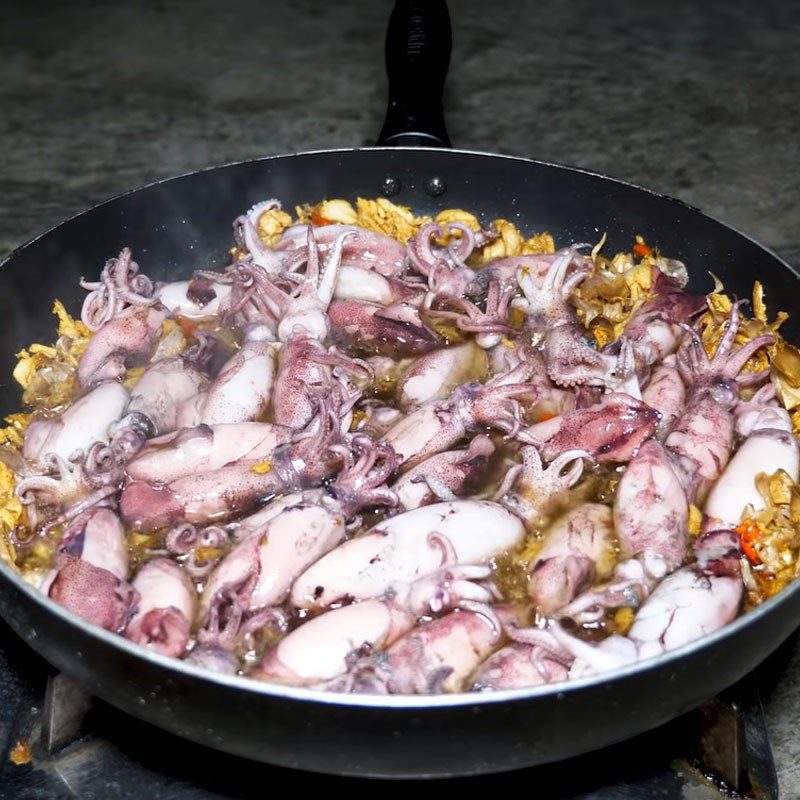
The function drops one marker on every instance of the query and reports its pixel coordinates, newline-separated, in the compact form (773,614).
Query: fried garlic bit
(785,361)
(695,522)
(14,431)
(271,224)
(172,342)
(12,514)
(47,373)
(20,753)
(782,358)
(510,242)
(450,215)
(380,215)
(771,537)
(714,321)
(615,289)
(621,621)
(398,222)
(385,217)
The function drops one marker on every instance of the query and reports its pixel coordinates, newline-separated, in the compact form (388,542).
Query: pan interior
(182,224)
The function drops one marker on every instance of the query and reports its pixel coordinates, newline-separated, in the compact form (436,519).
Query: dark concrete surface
(697,100)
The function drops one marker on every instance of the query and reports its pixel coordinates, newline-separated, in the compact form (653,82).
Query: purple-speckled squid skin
(444,476)
(611,430)
(516,666)
(126,340)
(701,442)
(306,368)
(651,512)
(666,393)
(571,359)
(397,328)
(651,509)
(435,375)
(91,569)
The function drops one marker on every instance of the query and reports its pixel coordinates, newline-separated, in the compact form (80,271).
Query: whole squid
(83,423)
(687,605)
(91,570)
(204,448)
(126,340)
(444,476)
(220,494)
(613,429)
(438,657)
(256,576)
(437,426)
(329,651)
(577,550)
(164,608)
(424,542)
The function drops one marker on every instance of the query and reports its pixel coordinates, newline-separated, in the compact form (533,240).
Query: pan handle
(418,43)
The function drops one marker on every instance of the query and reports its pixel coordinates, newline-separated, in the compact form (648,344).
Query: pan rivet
(390,186)
(435,187)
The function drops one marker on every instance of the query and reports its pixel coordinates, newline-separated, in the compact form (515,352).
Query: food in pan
(389,453)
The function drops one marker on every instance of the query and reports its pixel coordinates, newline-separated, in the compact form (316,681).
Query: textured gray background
(697,100)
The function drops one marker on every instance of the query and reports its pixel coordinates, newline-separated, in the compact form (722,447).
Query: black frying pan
(181,224)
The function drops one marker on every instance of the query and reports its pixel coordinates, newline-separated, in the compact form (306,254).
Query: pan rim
(434,150)
(399,702)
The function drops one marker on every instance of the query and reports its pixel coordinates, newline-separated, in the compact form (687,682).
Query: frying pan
(182,224)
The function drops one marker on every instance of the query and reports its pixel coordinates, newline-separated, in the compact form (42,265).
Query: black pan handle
(418,44)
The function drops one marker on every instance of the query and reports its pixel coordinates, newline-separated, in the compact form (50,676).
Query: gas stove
(56,742)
